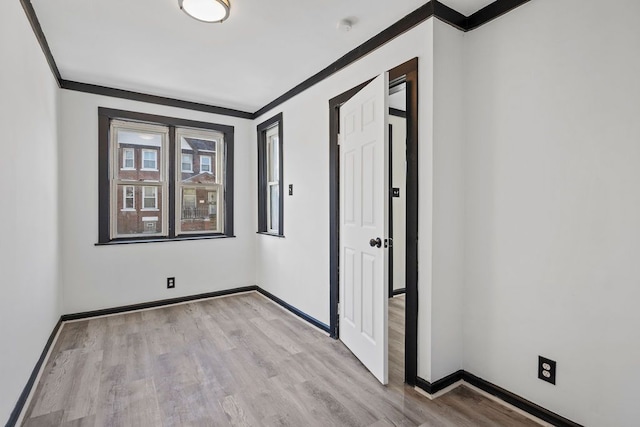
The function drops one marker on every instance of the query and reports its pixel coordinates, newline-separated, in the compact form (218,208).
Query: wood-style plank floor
(239,360)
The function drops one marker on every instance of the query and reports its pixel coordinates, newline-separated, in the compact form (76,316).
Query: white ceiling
(264,49)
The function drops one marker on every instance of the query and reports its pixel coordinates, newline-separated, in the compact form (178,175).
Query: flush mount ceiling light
(211,11)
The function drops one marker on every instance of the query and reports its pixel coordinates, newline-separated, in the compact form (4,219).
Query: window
(129,198)
(187,163)
(270,182)
(149,198)
(128,159)
(148,184)
(203,192)
(205,163)
(149,160)
(173,202)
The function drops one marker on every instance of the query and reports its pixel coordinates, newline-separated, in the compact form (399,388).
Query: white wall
(29,306)
(448,200)
(296,268)
(553,206)
(96,277)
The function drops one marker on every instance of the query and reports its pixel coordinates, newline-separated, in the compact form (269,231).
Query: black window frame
(105,116)
(262,129)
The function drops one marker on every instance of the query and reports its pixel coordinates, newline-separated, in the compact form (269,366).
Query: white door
(364,212)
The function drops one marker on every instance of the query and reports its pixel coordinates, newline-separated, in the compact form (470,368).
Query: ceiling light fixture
(211,11)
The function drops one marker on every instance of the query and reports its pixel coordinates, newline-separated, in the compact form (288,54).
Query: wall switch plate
(291,189)
(547,370)
(171,282)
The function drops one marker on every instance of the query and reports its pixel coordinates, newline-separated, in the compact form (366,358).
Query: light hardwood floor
(238,360)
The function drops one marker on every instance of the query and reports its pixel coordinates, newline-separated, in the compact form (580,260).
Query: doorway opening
(397,228)
(405,76)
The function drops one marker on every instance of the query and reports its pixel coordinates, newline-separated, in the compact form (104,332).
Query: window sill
(130,241)
(149,170)
(266,233)
(128,169)
(149,210)
(127,210)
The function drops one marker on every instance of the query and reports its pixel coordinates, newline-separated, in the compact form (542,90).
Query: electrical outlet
(547,370)
(171,282)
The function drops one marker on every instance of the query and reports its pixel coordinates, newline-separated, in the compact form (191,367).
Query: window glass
(274,205)
(146,144)
(133,220)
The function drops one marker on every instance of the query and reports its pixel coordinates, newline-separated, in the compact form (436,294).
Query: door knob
(375,242)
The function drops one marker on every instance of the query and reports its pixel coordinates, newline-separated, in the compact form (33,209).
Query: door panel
(364,186)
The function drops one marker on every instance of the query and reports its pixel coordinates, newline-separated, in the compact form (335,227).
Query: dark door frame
(409,72)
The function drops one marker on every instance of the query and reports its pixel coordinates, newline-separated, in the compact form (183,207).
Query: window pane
(134,220)
(134,144)
(274,165)
(199,209)
(274,202)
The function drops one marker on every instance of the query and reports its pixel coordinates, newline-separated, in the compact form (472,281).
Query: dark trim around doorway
(410,72)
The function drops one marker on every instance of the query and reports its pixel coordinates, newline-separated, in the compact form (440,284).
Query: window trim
(263,184)
(105,116)
(124,159)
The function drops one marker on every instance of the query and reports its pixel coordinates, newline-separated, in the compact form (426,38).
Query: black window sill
(264,233)
(164,239)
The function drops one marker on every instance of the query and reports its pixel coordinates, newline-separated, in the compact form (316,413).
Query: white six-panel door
(364,207)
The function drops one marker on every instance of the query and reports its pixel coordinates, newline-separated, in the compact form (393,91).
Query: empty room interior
(362,213)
